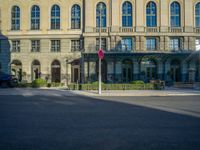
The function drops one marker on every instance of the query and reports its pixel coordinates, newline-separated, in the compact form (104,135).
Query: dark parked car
(7,80)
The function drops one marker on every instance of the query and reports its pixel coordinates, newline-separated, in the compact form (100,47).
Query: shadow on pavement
(83,123)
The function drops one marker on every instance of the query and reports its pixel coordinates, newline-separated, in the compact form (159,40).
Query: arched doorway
(16,69)
(55,71)
(149,69)
(103,70)
(35,67)
(175,70)
(127,69)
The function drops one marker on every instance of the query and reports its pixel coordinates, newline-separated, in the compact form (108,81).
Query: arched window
(76,17)
(15,18)
(101,11)
(35,18)
(175,11)
(197,15)
(151,15)
(55,17)
(127,20)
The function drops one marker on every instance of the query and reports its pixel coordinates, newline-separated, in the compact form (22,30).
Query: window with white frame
(55,45)
(197,15)
(16,46)
(127,44)
(15,18)
(151,44)
(103,44)
(175,44)
(35,45)
(75,45)
(55,17)
(35,18)
(76,17)
(197,44)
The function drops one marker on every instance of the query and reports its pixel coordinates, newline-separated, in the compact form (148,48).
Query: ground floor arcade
(116,68)
(126,67)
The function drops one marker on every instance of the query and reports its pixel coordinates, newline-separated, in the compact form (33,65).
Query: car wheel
(4,84)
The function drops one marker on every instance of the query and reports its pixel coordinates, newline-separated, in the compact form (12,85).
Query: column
(140,15)
(184,71)
(162,43)
(160,69)
(92,71)
(188,16)
(118,71)
(164,22)
(115,5)
(186,43)
(89,10)
(136,69)
(110,71)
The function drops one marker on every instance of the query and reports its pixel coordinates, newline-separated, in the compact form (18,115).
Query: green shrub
(97,83)
(137,82)
(49,85)
(147,86)
(39,83)
(57,84)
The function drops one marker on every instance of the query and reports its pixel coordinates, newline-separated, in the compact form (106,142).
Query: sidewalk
(166,92)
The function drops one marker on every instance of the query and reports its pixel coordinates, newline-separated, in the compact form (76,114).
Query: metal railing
(152,29)
(197,30)
(176,29)
(126,29)
(103,29)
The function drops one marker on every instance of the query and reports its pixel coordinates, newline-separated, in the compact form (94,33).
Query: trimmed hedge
(137,82)
(39,83)
(148,86)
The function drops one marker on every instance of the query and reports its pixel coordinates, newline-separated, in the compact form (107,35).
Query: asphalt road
(71,122)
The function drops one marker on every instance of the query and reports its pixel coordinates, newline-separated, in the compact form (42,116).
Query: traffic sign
(101,54)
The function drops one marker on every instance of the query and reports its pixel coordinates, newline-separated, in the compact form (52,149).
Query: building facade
(142,39)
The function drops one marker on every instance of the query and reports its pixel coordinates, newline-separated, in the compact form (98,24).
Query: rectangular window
(151,44)
(127,44)
(198,44)
(55,45)
(35,45)
(175,44)
(103,44)
(15,46)
(76,45)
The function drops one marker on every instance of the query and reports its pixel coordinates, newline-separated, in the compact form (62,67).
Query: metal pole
(100,8)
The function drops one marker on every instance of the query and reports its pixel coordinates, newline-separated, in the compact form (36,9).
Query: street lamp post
(100,11)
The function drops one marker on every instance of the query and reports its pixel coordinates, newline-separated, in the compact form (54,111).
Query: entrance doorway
(55,71)
(175,71)
(76,71)
(127,71)
(35,70)
(149,68)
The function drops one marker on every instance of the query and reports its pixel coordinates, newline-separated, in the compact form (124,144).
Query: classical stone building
(59,39)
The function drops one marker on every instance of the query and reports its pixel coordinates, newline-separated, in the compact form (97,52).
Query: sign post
(101,56)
